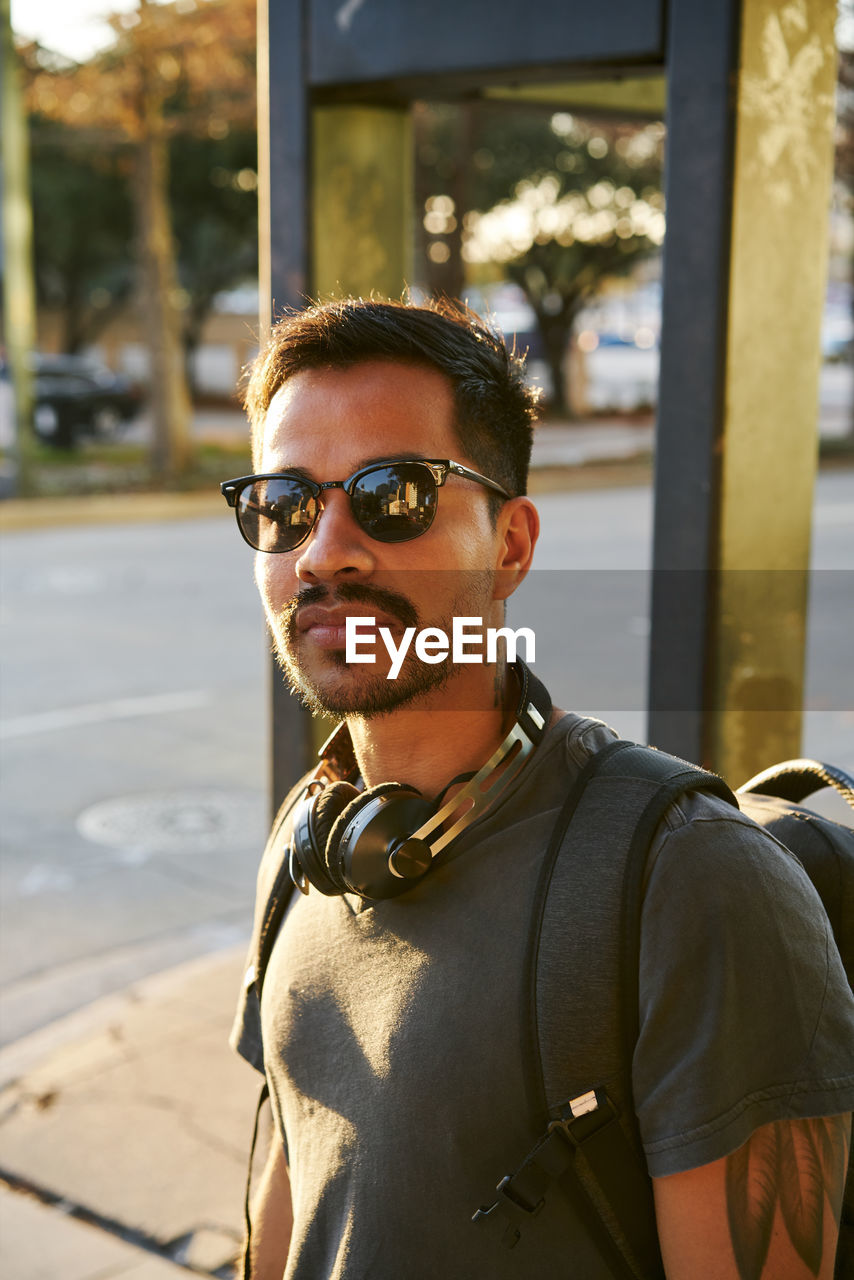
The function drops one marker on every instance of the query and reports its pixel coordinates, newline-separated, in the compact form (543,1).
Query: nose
(336,546)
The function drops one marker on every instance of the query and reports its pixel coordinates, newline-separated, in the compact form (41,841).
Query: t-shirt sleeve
(746,1015)
(245,1037)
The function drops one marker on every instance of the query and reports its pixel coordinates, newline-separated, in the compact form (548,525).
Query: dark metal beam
(283,146)
(381,40)
(284,209)
(702,56)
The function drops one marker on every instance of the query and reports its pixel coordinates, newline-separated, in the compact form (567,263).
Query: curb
(106,508)
(21,1056)
(70,1089)
(39,1240)
(31,514)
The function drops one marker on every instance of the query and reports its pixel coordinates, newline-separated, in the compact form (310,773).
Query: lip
(327,627)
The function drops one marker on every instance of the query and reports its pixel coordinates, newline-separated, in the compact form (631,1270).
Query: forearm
(272,1218)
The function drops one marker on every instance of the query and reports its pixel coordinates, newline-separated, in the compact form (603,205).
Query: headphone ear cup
(331,803)
(372,851)
(332,865)
(311,832)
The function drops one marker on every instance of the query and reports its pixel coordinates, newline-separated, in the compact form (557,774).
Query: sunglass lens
(396,503)
(276,514)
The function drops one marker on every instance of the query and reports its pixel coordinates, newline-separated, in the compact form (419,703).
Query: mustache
(389,602)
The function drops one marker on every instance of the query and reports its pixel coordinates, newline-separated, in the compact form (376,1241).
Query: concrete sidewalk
(124,1134)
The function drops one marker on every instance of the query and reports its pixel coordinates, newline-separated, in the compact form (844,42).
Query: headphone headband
(491,779)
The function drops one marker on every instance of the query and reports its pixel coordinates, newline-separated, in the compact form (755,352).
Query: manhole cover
(176,821)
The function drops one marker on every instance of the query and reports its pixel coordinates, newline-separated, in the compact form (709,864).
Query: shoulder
(706,840)
(581,737)
(746,1015)
(717,881)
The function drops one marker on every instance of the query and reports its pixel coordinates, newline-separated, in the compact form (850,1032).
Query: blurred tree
(82,230)
(845,119)
(83,226)
(845,94)
(558,202)
(213,186)
(181,67)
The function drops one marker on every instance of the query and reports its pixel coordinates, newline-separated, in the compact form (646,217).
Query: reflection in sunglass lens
(395,503)
(276,514)
(391,503)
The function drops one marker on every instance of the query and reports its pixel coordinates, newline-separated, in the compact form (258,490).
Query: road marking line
(95,712)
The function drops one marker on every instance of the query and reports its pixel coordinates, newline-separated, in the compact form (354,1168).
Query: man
(391,1031)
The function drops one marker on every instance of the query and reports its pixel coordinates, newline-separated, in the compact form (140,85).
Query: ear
(517,531)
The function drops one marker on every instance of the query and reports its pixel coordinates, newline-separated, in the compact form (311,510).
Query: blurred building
(229,341)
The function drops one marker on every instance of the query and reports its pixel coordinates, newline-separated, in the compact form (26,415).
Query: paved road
(134,727)
(592,620)
(134,672)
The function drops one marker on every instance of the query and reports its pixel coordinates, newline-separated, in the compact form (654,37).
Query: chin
(331,687)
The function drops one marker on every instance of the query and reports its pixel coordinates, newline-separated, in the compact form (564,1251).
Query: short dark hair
(495,408)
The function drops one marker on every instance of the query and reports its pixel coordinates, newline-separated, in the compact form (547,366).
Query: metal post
(283,187)
(783,173)
(361,211)
(362,200)
(702,55)
(750,117)
(335,198)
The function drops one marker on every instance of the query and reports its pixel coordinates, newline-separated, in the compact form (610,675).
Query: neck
(429,744)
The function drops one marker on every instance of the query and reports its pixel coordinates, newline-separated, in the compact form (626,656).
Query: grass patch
(837,451)
(94,467)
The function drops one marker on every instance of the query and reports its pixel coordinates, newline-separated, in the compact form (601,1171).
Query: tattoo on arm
(793,1163)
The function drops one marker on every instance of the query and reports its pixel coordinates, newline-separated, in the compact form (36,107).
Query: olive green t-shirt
(394,1034)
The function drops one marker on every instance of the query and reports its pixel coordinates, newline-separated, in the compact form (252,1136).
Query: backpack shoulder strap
(583,1018)
(604,832)
(796,779)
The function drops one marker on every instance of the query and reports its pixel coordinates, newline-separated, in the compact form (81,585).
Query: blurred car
(75,397)
(837,348)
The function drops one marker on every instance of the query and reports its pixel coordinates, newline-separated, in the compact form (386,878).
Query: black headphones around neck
(380,842)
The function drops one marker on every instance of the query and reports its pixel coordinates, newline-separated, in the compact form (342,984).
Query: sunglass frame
(440,469)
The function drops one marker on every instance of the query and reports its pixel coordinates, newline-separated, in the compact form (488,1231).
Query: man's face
(329,423)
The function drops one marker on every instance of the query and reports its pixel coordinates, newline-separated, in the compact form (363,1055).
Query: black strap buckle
(522,1194)
(510,1211)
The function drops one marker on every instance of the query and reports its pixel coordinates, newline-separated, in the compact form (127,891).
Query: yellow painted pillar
(362,228)
(19,294)
(783,171)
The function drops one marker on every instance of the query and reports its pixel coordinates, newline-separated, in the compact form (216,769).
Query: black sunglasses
(392,501)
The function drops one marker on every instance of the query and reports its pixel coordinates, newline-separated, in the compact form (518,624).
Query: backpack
(590,1150)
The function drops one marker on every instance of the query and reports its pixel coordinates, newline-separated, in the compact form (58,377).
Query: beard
(337,688)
